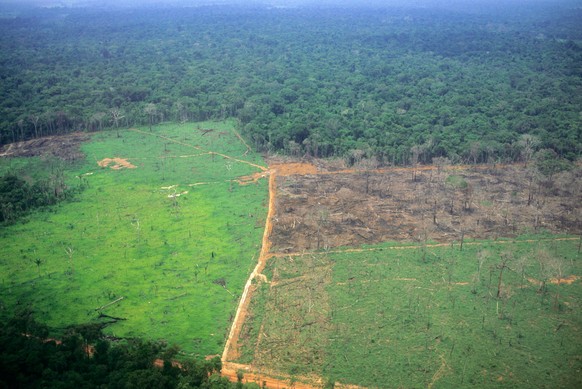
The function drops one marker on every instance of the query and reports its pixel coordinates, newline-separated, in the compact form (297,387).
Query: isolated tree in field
(549,267)
(468,193)
(521,265)
(368,165)
(424,237)
(38,262)
(506,257)
(151,110)
(415,152)
(532,178)
(482,257)
(454,183)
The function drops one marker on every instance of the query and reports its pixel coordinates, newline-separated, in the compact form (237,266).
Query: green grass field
(388,318)
(178,262)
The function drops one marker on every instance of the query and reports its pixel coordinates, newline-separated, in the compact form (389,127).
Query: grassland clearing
(179,262)
(388,318)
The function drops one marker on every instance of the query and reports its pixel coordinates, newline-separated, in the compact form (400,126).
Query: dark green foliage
(304,81)
(17,197)
(28,359)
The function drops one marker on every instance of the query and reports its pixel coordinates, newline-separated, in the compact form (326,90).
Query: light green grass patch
(123,236)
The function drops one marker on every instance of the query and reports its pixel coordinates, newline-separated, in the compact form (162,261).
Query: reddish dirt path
(229,370)
(306,168)
(231,351)
(295,168)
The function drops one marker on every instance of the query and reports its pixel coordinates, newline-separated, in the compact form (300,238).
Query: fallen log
(116,319)
(109,304)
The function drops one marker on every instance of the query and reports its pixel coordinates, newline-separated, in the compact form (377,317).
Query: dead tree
(116,116)
(505,258)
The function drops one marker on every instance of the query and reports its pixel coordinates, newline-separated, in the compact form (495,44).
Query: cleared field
(161,240)
(503,312)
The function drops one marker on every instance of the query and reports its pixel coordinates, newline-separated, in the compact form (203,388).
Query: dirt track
(230,370)
(231,351)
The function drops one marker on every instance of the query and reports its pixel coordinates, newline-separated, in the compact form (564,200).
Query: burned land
(328,208)
(65,147)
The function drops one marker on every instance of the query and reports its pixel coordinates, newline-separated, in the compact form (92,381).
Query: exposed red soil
(294,168)
(267,379)
(116,163)
(252,179)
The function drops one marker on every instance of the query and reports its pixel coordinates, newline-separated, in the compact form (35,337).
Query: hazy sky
(294,2)
(461,5)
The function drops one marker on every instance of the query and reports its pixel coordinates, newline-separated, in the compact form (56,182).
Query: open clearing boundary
(272,378)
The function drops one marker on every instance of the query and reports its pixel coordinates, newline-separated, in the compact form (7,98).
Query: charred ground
(328,207)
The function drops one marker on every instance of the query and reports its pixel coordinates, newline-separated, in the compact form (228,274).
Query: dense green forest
(305,81)
(85,359)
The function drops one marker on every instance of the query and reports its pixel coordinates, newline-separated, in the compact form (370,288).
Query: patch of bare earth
(116,163)
(326,209)
(66,147)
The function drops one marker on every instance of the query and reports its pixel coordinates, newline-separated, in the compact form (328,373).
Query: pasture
(159,242)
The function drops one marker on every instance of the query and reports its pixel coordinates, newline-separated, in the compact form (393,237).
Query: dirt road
(230,370)
(231,351)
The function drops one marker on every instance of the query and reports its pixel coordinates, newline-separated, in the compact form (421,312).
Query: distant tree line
(395,85)
(84,358)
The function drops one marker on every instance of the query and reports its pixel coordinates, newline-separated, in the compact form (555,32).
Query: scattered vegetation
(497,311)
